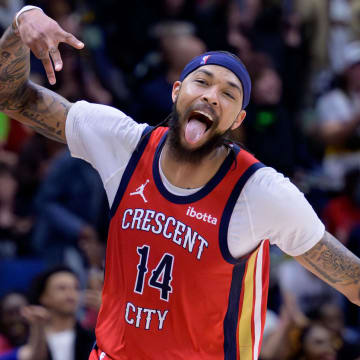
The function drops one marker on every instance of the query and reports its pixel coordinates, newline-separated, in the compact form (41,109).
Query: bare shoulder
(334,263)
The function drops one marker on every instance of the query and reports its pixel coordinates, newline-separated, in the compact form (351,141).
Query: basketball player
(193,215)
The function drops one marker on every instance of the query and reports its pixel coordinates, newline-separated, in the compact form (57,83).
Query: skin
(335,264)
(61,294)
(12,323)
(217,91)
(61,298)
(318,344)
(39,108)
(214,88)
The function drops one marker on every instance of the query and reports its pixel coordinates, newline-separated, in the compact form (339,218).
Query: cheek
(189,93)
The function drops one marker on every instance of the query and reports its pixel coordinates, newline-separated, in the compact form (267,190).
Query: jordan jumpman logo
(140,191)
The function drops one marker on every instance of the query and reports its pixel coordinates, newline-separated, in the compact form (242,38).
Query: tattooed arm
(334,263)
(33,105)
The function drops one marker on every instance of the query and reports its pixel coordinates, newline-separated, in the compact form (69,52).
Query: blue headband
(222,59)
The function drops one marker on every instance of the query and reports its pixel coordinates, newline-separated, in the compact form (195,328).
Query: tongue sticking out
(194,130)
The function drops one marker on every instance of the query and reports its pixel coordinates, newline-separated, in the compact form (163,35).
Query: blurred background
(303,119)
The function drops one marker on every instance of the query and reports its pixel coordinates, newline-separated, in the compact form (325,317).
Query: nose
(210,97)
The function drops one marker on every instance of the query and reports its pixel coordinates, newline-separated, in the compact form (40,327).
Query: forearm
(336,265)
(14,64)
(36,348)
(39,108)
(36,106)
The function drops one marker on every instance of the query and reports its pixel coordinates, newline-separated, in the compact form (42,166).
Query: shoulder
(103,118)
(268,184)
(280,212)
(270,192)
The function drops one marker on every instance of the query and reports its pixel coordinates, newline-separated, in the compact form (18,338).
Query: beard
(193,156)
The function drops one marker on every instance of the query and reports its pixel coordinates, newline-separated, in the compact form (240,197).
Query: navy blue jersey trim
(225,219)
(135,157)
(180,199)
(232,313)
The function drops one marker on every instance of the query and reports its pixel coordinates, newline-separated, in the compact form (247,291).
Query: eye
(201,81)
(229,95)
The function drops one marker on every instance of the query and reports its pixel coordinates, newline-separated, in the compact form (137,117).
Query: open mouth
(202,117)
(199,122)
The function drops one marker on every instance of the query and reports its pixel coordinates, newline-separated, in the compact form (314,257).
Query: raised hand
(42,35)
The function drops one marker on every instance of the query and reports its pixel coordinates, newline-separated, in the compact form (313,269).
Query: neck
(188,175)
(60,322)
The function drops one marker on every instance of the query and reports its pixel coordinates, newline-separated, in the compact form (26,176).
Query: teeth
(205,114)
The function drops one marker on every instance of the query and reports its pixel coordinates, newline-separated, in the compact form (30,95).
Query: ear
(175,90)
(239,119)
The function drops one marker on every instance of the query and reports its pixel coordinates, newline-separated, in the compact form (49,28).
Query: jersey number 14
(160,277)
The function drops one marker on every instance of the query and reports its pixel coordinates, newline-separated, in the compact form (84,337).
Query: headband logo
(204,59)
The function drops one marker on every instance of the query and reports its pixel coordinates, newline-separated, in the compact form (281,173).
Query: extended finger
(49,70)
(40,52)
(56,58)
(72,41)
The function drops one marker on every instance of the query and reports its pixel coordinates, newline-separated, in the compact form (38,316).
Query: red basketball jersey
(172,289)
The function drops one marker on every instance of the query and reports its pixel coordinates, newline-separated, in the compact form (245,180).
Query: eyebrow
(230,83)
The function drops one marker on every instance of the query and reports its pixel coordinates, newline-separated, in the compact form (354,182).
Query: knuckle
(42,34)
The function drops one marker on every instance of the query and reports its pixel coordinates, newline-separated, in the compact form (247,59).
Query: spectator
(8,185)
(307,291)
(92,298)
(35,347)
(68,211)
(32,166)
(178,46)
(13,327)
(278,330)
(338,121)
(269,130)
(332,317)
(58,291)
(14,228)
(313,342)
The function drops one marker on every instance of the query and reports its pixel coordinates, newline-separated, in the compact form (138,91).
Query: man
(187,269)
(35,347)
(58,291)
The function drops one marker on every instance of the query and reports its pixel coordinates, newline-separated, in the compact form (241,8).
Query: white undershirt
(269,206)
(62,345)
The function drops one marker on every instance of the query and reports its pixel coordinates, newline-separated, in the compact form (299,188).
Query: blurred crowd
(303,119)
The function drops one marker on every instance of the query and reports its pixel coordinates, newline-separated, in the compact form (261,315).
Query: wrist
(15,23)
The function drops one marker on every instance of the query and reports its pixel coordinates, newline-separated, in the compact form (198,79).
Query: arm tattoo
(333,261)
(38,107)
(14,62)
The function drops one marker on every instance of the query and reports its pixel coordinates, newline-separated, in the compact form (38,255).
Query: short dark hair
(40,282)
